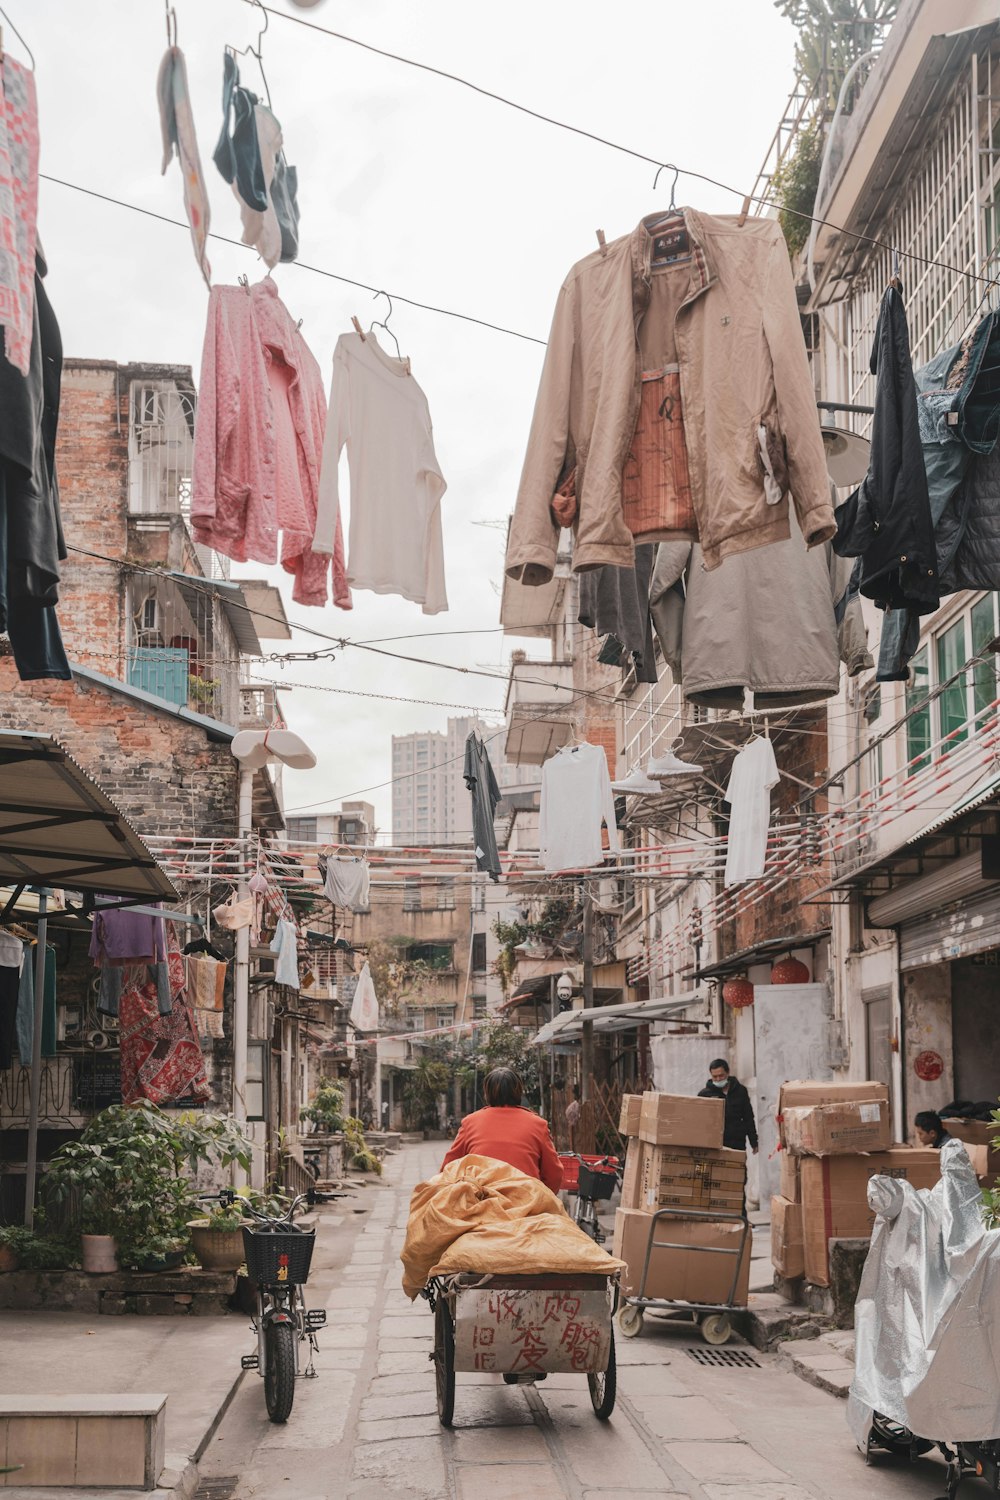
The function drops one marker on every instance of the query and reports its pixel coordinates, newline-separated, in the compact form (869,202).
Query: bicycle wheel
(604,1386)
(444,1362)
(586,1218)
(279,1370)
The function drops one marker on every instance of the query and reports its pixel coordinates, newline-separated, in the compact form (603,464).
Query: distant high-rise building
(430,801)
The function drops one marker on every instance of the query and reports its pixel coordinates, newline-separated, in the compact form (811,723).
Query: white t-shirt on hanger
(754,773)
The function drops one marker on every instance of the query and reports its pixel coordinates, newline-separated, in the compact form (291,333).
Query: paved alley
(367,1428)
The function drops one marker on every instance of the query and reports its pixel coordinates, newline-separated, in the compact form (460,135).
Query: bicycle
(278,1255)
(596,1184)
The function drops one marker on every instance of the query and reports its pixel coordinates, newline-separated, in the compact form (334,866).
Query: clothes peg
(244,282)
(744,211)
(358,329)
(602,242)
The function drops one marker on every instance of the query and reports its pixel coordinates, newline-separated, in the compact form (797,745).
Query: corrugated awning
(57,828)
(569,1025)
(759,953)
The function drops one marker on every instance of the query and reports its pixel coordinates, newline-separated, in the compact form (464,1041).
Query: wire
(444,312)
(589,135)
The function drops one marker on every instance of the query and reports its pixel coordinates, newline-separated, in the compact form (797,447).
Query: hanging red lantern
(790,971)
(738,993)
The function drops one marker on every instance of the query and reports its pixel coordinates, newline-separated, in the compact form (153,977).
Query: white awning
(568,1026)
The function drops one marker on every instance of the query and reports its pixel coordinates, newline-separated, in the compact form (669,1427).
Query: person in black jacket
(739,1128)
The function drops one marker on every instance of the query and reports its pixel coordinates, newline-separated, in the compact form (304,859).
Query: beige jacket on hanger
(743,368)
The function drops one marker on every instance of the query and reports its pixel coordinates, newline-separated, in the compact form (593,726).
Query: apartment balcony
(539,709)
(259,706)
(536,611)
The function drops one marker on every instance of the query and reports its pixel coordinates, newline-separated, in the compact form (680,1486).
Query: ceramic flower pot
(216,1249)
(8,1259)
(99,1254)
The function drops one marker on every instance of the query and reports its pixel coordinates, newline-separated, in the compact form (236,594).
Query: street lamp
(253,749)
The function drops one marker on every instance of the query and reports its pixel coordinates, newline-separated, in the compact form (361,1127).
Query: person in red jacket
(506,1132)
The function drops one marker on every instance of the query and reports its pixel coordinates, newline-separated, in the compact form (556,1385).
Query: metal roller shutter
(957,931)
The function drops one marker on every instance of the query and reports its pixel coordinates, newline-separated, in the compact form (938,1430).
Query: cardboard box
(791,1177)
(628,1122)
(835,1197)
(805,1091)
(678,1120)
(691,1269)
(701,1178)
(828,1127)
(787,1250)
(632,1186)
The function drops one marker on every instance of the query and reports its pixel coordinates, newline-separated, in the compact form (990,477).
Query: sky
(413,183)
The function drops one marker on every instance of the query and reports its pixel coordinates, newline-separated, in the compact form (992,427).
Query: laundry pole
(241,974)
(35,1077)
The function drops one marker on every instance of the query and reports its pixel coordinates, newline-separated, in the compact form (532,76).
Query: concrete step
(822,1361)
(771,1320)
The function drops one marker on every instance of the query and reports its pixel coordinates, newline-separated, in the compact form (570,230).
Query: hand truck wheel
(716,1328)
(630,1321)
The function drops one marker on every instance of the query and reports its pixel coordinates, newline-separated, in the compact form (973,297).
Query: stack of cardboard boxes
(676,1160)
(833,1138)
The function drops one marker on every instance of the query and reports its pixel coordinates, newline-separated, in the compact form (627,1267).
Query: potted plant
(11,1236)
(218,1239)
(126,1182)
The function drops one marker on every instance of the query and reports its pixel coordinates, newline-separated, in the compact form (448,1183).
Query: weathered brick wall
(166,776)
(92,462)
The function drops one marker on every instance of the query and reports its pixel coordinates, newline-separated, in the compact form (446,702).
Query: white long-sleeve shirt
(576,800)
(380,413)
(754,773)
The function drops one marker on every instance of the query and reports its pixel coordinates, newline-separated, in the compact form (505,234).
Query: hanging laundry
(482,783)
(250,157)
(719,330)
(258,443)
(11,953)
(178,133)
(161,1058)
(379,412)
(121,936)
(615,603)
(765,620)
(576,800)
(958,411)
(364,1006)
(19,143)
(235,912)
(26,1005)
(205,993)
(887,521)
(754,773)
(347,882)
(285,947)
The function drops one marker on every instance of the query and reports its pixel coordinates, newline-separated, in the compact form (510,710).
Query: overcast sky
(410,182)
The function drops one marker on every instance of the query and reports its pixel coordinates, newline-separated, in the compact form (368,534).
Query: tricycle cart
(524,1328)
(713,1318)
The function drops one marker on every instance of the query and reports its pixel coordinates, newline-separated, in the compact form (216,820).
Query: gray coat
(764,620)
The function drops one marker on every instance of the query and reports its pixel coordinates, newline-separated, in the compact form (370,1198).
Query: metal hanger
(669,167)
(20,38)
(376,324)
(171,24)
(250,51)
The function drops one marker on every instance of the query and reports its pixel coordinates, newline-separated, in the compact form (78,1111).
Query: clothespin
(744,211)
(358,329)
(602,242)
(244,282)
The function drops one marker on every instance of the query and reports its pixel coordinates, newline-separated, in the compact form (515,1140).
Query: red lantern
(737,993)
(789,971)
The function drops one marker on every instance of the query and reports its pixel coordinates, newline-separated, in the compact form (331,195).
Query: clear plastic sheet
(927,1319)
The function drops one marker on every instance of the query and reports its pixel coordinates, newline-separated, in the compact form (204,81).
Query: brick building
(159,639)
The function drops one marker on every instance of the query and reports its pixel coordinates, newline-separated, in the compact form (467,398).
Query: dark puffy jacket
(887,521)
(739,1127)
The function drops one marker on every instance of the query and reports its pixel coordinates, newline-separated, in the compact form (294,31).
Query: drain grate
(217,1489)
(741,1359)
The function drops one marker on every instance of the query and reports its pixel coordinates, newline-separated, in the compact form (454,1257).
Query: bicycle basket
(596,1182)
(279,1257)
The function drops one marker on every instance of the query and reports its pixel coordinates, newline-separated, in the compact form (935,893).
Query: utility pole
(587,1043)
(241,969)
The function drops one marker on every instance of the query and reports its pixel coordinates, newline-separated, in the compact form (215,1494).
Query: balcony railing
(540,710)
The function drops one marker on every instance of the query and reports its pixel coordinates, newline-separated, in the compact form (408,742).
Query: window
(446,896)
(434,955)
(479,1008)
(302,830)
(256,1080)
(444,1017)
(918,724)
(479,953)
(984,674)
(953,702)
(411,893)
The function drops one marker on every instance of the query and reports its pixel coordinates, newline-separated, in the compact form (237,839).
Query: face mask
(720,1086)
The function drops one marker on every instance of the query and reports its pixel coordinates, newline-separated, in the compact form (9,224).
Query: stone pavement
(367,1428)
